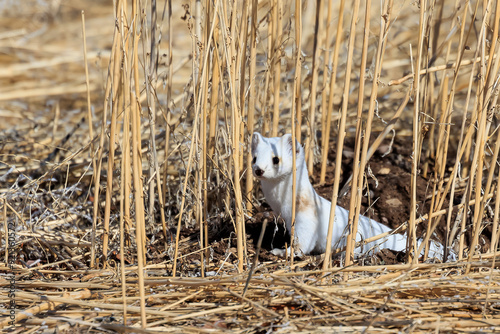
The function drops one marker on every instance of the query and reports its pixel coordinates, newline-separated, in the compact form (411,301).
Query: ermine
(272,164)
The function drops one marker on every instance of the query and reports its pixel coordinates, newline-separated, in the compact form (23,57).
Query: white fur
(312,211)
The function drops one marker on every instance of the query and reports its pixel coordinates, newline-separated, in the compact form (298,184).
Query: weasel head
(272,157)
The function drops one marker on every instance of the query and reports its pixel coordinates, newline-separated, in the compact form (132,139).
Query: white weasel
(272,165)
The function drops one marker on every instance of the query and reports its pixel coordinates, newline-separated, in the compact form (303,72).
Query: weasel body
(272,165)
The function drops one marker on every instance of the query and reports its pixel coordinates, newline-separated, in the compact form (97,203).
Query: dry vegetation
(125,195)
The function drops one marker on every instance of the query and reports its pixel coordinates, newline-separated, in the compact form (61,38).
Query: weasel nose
(258,171)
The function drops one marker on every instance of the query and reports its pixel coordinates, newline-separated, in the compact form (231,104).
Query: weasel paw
(278,252)
(282,252)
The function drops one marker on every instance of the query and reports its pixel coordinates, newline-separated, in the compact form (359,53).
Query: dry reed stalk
(113,67)
(203,185)
(412,239)
(251,103)
(139,206)
(481,138)
(448,66)
(277,40)
(213,112)
(357,185)
(194,25)
(432,105)
(137,160)
(341,135)
(492,99)
(235,145)
(151,76)
(298,72)
(324,88)
(91,136)
(114,97)
(241,61)
(256,258)
(448,109)
(493,46)
(124,213)
(311,135)
(266,127)
(215,90)
(441,154)
(169,98)
(294,109)
(490,106)
(466,143)
(333,79)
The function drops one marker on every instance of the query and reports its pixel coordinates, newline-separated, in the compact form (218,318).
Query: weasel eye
(254,160)
(276,160)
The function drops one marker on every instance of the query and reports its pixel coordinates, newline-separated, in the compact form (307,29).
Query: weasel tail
(272,165)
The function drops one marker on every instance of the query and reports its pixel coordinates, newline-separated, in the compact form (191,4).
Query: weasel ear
(256,139)
(288,141)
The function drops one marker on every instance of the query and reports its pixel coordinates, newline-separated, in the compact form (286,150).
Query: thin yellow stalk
(311,138)
(213,113)
(440,158)
(412,240)
(266,115)
(298,71)
(447,66)
(251,102)
(200,182)
(493,46)
(124,193)
(434,51)
(333,79)
(168,111)
(214,92)
(203,190)
(491,110)
(278,33)
(241,59)
(139,207)
(341,135)
(235,147)
(137,164)
(109,185)
(295,106)
(115,56)
(492,106)
(481,138)
(327,63)
(111,158)
(91,138)
(151,83)
(357,182)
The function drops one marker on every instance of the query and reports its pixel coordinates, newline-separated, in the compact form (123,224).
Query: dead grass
(127,197)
